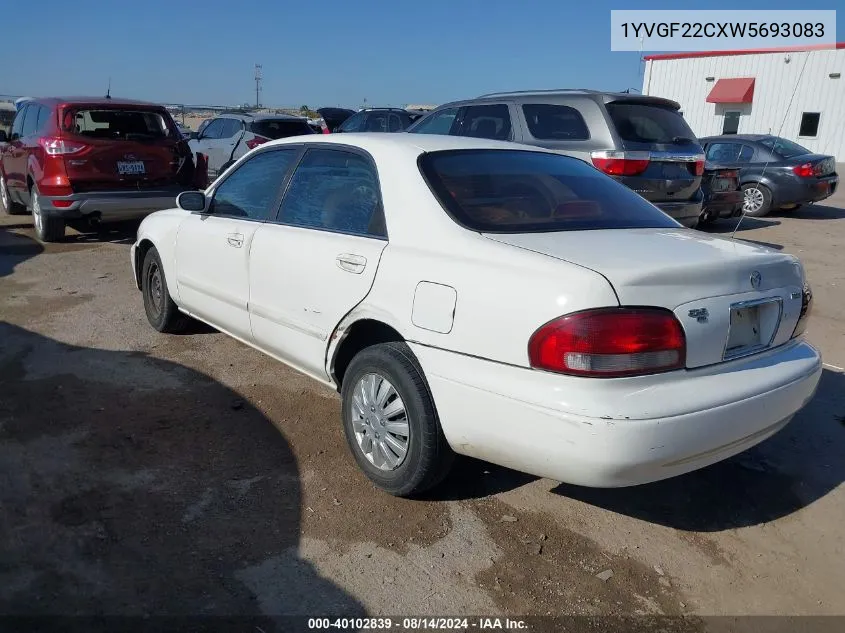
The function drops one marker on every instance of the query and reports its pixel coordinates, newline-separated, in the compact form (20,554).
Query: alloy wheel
(4,194)
(753,200)
(380,422)
(37,215)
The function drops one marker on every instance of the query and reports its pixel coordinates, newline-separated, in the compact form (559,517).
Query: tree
(305,108)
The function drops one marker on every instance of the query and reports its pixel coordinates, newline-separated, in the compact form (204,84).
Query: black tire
(766,204)
(8,205)
(162,312)
(791,207)
(429,457)
(48,228)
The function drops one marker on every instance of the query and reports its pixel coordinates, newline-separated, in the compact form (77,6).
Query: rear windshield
(646,123)
(273,129)
(130,125)
(783,147)
(512,191)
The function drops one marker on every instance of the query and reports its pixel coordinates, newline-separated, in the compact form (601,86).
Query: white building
(796,93)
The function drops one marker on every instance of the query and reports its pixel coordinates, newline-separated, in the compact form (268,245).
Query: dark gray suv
(641,141)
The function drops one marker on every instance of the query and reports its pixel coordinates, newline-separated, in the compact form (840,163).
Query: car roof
(114,101)
(741,137)
(562,94)
(245,116)
(376,143)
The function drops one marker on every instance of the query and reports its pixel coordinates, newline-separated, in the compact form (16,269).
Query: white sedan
(489,299)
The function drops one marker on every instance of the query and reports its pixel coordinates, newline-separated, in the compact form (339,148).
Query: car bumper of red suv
(110,205)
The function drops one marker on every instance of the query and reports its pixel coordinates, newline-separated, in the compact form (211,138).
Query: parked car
(378,120)
(184,130)
(774,172)
(92,158)
(722,196)
(231,135)
(332,118)
(474,296)
(643,142)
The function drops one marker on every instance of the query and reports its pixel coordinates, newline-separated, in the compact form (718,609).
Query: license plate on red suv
(130,168)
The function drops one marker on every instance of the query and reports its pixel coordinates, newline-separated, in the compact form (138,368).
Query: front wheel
(757,201)
(391,422)
(162,312)
(47,228)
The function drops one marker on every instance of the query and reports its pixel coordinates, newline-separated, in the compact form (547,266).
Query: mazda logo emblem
(756,279)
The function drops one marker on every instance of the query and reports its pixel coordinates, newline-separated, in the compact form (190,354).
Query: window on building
(731,123)
(809,124)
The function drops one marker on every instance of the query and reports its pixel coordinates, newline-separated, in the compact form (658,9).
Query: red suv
(98,159)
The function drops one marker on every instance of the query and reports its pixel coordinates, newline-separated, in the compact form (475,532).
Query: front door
(319,259)
(212,248)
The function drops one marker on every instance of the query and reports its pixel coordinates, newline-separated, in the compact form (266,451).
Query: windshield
(783,147)
(646,123)
(513,191)
(118,124)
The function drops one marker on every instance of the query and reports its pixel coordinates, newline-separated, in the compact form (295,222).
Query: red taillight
(255,142)
(699,167)
(59,146)
(610,342)
(807,170)
(621,163)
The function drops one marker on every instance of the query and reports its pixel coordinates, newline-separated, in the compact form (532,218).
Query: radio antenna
(108,89)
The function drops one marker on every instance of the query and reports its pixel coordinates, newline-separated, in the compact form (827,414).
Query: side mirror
(3,137)
(191,201)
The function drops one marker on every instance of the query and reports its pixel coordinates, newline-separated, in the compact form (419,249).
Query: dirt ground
(147,474)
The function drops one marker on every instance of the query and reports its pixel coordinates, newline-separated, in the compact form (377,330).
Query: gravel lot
(142,473)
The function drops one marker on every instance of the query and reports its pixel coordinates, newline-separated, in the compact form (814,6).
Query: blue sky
(389,52)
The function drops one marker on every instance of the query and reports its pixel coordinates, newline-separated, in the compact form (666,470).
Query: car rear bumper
(110,205)
(805,190)
(619,432)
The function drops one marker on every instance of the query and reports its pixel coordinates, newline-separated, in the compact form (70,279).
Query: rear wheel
(162,312)
(10,207)
(757,201)
(47,228)
(391,422)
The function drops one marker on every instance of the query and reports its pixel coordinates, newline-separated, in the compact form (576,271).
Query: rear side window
(783,147)
(353,123)
(376,122)
(439,122)
(251,189)
(279,128)
(31,119)
(231,127)
(43,117)
(512,191)
(551,122)
(647,123)
(334,190)
(114,124)
(486,121)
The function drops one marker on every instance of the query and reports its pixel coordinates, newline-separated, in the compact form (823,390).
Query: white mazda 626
(489,299)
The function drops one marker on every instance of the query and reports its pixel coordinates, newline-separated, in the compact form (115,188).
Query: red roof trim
(745,51)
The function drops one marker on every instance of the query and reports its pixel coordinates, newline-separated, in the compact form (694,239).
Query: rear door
(318,260)
(490,120)
(124,147)
(672,160)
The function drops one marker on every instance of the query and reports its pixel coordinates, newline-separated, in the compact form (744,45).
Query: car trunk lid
(128,147)
(732,297)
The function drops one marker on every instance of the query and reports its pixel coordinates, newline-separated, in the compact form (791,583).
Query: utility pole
(258,85)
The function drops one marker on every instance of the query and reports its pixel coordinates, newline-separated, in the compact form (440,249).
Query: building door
(731,123)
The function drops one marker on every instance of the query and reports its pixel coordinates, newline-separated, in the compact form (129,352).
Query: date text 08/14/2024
(417,623)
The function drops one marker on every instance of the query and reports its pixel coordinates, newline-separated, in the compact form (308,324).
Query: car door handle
(235,240)
(351,263)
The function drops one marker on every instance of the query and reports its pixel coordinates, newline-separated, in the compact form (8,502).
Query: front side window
(231,127)
(550,122)
(396,124)
(353,123)
(439,122)
(724,152)
(250,191)
(376,122)
(486,121)
(513,191)
(334,190)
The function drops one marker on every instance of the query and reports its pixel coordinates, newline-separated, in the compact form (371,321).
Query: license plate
(722,184)
(130,168)
(744,331)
